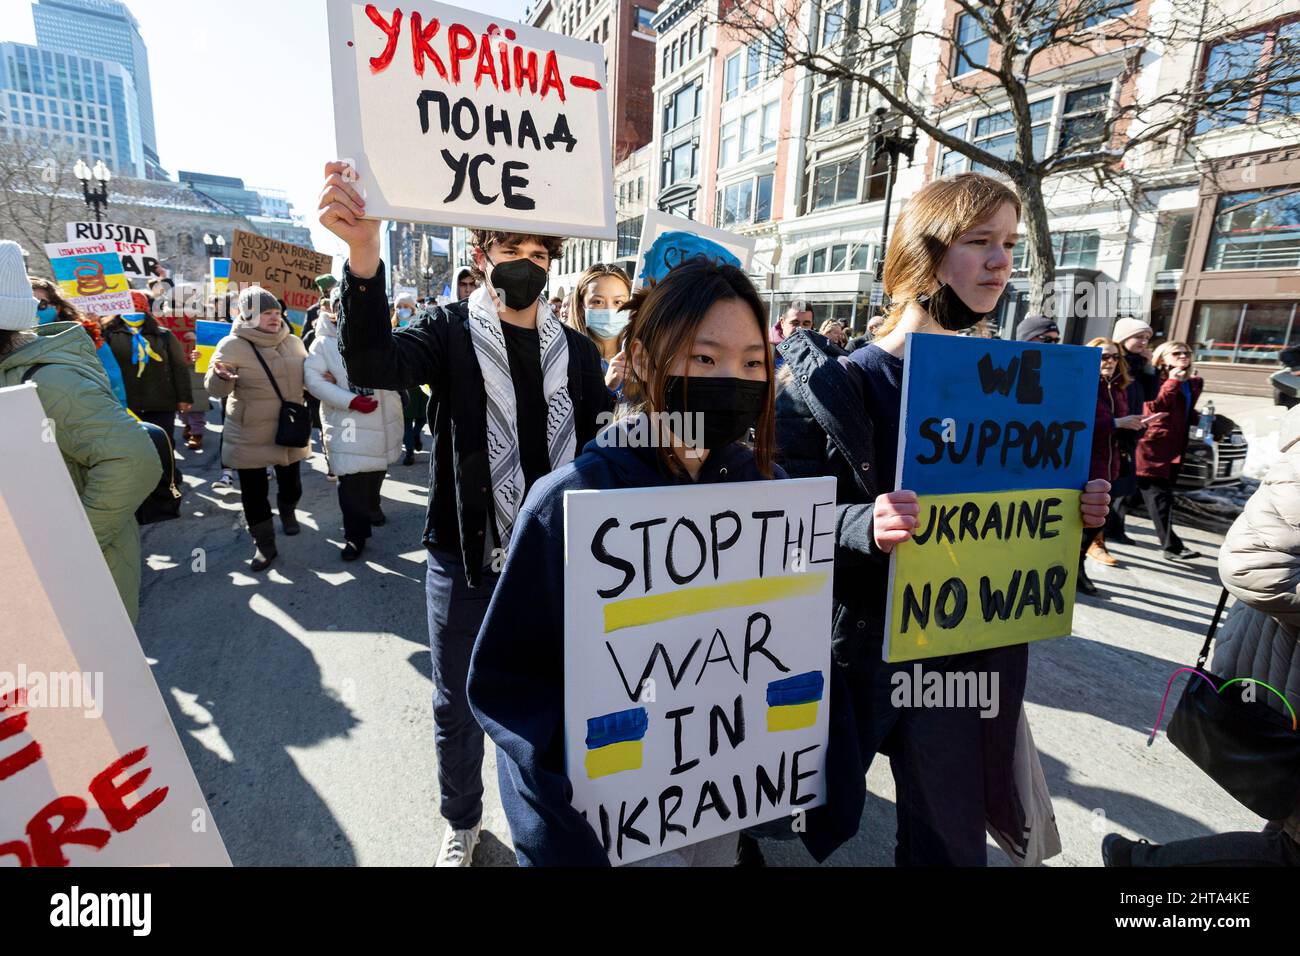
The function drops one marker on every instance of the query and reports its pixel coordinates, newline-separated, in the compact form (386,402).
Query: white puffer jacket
(355,442)
(1260,564)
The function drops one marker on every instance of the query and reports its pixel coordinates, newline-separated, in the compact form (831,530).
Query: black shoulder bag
(294,429)
(1248,748)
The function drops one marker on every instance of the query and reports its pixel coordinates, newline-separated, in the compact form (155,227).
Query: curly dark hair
(483,238)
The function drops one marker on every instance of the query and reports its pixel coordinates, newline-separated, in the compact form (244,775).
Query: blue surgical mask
(46,314)
(607,323)
(403,313)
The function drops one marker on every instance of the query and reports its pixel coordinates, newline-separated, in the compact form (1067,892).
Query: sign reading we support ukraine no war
(697,659)
(996,440)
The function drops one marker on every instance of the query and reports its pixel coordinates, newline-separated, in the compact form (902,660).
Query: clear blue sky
(222,69)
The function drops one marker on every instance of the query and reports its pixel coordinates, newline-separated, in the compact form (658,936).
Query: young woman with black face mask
(947,265)
(698,344)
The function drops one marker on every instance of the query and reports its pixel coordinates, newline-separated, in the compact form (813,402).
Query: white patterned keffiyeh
(502,432)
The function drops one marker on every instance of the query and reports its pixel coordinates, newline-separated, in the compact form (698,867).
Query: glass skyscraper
(88,105)
(106,30)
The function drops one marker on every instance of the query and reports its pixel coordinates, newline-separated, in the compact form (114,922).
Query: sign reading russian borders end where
(697,653)
(286,271)
(458,119)
(996,440)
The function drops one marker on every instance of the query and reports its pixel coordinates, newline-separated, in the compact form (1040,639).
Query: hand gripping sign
(996,440)
(454,118)
(697,658)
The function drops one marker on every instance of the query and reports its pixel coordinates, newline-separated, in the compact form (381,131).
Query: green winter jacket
(112,462)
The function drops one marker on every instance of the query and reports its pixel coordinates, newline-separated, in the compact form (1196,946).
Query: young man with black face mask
(515,394)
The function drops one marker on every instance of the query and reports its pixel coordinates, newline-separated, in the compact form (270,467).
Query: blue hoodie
(516,674)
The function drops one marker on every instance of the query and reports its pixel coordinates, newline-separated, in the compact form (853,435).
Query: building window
(683,106)
(824,115)
(835,184)
(952,161)
(1110,10)
(971,48)
(1084,117)
(729,151)
(1076,249)
(885,6)
(996,133)
(1250,332)
(763,199)
(1173,236)
(748,135)
(771,126)
(735,204)
(1244,63)
(666,63)
(731,76)
(833,24)
(877,176)
(846,102)
(776,51)
(1256,230)
(680,164)
(753,64)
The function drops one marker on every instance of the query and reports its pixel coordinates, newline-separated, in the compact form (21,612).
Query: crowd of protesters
(513,388)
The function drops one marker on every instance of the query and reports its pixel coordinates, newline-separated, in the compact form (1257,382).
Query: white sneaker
(458,847)
(227,480)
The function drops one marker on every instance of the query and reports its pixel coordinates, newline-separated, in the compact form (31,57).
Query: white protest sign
(91,770)
(668,241)
(137,247)
(456,118)
(697,658)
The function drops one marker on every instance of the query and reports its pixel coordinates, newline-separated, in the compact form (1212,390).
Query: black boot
(289,518)
(264,534)
(1085,582)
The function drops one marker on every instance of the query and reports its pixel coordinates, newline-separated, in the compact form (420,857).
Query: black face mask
(520,281)
(948,309)
(729,406)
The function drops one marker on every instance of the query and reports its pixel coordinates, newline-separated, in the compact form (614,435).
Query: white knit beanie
(17,304)
(1127,328)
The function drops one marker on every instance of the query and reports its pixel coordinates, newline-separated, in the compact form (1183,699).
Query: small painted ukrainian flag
(92,274)
(614,742)
(220,276)
(206,336)
(792,702)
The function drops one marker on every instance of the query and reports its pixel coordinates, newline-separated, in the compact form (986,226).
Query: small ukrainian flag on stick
(614,742)
(792,702)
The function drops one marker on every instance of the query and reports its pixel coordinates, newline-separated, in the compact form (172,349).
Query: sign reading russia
(453,118)
(697,655)
(996,440)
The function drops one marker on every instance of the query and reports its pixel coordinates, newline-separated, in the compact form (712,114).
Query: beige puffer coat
(253,412)
(1260,564)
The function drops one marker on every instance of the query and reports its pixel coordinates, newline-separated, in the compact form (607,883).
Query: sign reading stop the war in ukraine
(996,440)
(452,117)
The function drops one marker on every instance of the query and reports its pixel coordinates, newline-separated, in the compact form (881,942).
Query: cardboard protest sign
(286,271)
(90,276)
(697,658)
(668,241)
(138,247)
(206,336)
(996,440)
(91,770)
(456,118)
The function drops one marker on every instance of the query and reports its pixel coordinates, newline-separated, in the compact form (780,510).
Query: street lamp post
(215,244)
(96,197)
(888,137)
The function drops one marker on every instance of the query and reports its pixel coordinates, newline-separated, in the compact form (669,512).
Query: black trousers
(1158,495)
(255,491)
(359,501)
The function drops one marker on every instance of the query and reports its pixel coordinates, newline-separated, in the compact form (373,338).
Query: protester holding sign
(362,431)
(948,262)
(110,458)
(515,395)
(155,368)
(259,366)
(598,300)
(698,345)
(1161,448)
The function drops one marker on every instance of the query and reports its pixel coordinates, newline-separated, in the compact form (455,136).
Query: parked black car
(1216,452)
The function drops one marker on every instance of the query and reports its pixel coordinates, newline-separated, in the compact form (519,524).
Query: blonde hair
(1122,377)
(577,317)
(930,223)
(1162,352)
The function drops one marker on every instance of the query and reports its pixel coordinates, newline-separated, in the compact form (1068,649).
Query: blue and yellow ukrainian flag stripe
(634,612)
(614,742)
(792,702)
(219,270)
(206,337)
(297,320)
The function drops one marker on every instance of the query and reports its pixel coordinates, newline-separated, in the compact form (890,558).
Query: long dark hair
(666,317)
